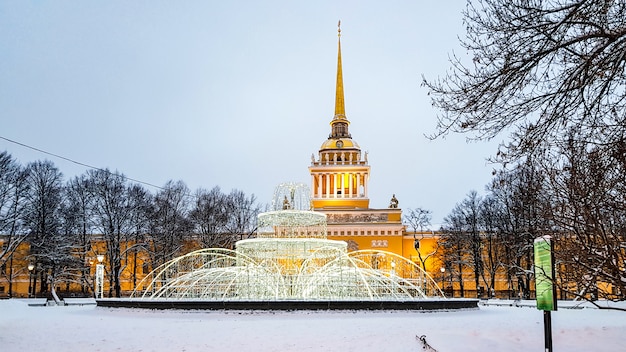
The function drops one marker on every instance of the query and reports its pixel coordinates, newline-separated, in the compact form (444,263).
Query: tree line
(63,220)
(580,202)
(551,75)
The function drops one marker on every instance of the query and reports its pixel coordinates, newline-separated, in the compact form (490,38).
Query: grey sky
(236,94)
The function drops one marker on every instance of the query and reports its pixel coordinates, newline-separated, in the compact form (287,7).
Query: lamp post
(31,267)
(100,276)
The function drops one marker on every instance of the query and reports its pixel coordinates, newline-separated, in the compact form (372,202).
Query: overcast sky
(235,94)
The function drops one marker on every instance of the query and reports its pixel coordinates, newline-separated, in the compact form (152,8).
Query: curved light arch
(291,259)
(327,273)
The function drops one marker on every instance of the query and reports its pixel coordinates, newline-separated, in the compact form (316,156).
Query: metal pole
(31,267)
(547,330)
(99,280)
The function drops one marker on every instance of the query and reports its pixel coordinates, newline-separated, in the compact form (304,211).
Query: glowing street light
(31,267)
(100,276)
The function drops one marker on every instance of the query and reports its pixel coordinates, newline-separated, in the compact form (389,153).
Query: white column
(350,179)
(319,186)
(365,181)
(327,185)
(341,183)
(358,184)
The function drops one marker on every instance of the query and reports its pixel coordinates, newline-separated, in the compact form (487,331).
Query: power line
(79,163)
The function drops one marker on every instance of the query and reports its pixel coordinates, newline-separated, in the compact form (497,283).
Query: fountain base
(292,305)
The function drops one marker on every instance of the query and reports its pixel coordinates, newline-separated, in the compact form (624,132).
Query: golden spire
(340,109)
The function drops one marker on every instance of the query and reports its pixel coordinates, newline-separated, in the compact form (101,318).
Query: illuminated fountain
(290,259)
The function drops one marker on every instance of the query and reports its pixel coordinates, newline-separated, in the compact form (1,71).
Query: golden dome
(339,143)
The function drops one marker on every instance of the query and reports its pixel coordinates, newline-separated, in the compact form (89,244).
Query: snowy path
(491,328)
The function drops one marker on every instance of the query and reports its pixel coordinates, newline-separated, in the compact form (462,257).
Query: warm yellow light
(100,258)
(31,267)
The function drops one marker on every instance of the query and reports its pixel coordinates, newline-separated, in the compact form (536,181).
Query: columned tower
(340,173)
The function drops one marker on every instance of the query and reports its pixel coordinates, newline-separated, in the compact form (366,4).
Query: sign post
(544,284)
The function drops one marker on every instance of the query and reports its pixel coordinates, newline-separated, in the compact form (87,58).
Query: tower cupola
(340,173)
(340,137)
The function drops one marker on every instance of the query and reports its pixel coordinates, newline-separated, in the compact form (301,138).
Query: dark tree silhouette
(543,70)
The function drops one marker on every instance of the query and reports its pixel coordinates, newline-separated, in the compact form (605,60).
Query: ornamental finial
(339,28)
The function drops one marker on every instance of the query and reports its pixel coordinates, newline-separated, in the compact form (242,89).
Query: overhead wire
(80,163)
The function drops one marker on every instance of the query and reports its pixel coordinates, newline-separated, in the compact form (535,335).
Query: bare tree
(590,213)
(111,217)
(210,218)
(523,197)
(169,222)
(242,214)
(490,218)
(141,209)
(418,219)
(13,189)
(50,250)
(77,224)
(220,220)
(540,69)
(455,247)
(470,210)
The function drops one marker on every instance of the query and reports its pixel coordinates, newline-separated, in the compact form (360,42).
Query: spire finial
(340,111)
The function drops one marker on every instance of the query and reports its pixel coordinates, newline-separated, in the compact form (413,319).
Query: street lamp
(31,267)
(99,276)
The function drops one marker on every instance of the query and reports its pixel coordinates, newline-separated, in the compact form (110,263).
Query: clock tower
(339,188)
(340,173)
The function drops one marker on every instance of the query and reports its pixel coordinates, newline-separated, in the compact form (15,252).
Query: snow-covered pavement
(491,328)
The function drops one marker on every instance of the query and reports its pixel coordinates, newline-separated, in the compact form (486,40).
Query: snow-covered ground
(490,328)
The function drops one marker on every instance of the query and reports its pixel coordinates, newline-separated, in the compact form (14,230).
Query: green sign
(544,274)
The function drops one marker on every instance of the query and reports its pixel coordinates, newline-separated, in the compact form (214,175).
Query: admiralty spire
(340,173)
